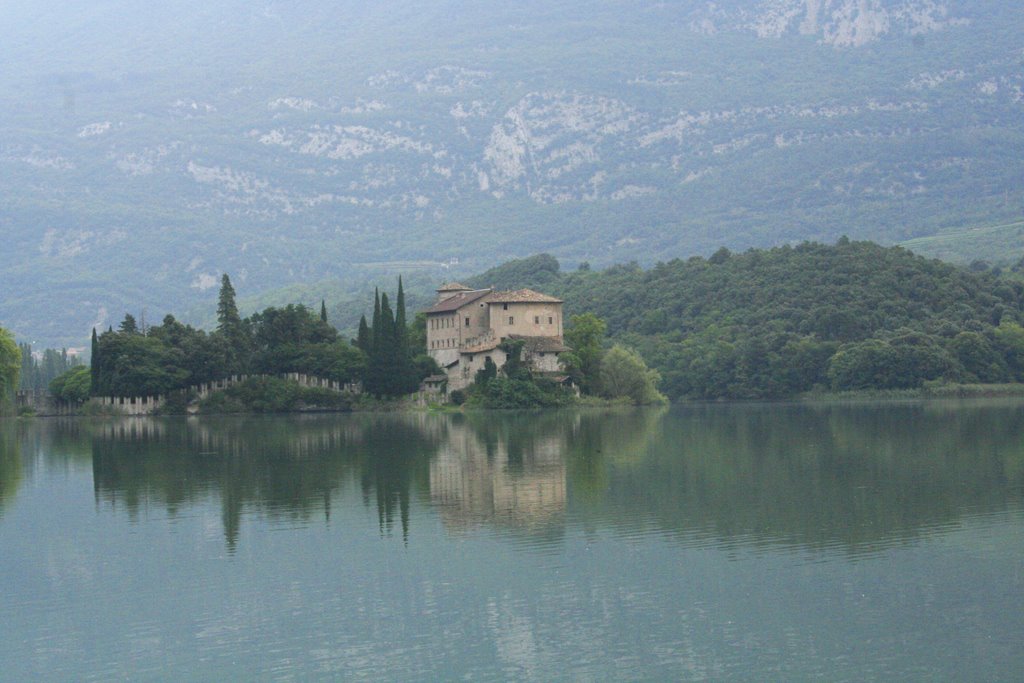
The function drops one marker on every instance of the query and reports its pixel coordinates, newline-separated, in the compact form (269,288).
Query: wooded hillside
(778,322)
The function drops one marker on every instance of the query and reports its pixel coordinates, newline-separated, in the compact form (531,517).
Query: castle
(467,326)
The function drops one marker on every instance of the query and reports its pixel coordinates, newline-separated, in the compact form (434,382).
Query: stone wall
(42,403)
(147,405)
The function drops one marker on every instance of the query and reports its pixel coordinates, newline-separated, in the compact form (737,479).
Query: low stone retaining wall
(147,405)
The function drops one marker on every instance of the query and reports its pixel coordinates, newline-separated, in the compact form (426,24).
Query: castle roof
(453,287)
(541,344)
(521,296)
(532,344)
(480,347)
(457,301)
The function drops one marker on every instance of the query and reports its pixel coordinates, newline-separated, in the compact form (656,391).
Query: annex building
(466,327)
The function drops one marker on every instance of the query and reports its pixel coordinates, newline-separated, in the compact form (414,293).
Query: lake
(840,542)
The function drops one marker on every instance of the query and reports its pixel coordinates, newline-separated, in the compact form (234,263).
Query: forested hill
(777,322)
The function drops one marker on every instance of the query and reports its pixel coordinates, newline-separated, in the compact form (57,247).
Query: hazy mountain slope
(146,148)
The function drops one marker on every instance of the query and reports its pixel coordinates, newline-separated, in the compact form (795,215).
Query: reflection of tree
(283,468)
(10,464)
(856,476)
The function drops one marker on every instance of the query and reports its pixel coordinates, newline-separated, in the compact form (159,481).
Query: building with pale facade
(466,326)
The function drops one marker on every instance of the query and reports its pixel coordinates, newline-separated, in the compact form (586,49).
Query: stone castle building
(467,326)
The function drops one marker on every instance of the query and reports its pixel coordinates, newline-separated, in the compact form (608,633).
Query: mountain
(145,149)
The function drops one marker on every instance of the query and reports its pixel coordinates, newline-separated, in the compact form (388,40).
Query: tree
(485,374)
(584,336)
(227,310)
(94,363)
(128,325)
(625,374)
(73,386)
(323,311)
(514,367)
(234,335)
(10,364)
(363,338)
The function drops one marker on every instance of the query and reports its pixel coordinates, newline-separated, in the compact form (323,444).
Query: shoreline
(926,393)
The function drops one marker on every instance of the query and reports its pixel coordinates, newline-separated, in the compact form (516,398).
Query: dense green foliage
(515,385)
(624,374)
(171,356)
(775,323)
(397,362)
(73,386)
(37,373)
(10,367)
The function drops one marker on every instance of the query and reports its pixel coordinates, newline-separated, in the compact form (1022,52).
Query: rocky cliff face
(302,140)
(840,23)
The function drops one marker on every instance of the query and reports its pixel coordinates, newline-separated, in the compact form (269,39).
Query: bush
(625,374)
(73,386)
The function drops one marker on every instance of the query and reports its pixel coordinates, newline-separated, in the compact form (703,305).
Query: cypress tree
(386,341)
(323,311)
(400,323)
(375,366)
(407,380)
(375,326)
(94,365)
(363,338)
(387,349)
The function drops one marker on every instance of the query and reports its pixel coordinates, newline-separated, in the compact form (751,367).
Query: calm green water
(763,543)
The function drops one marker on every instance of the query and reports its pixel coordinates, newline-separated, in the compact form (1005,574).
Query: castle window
(504,307)
(536,320)
(511,320)
(551,321)
(467,321)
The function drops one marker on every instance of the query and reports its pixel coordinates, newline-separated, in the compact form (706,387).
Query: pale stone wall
(544,361)
(147,405)
(526,319)
(469,364)
(447,332)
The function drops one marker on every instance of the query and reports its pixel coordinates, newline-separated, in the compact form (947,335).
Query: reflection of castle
(473,483)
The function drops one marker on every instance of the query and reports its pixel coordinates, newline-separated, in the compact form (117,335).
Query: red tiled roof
(457,301)
(521,296)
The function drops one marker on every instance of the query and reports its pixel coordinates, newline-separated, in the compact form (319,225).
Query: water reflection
(856,478)
(10,463)
(509,472)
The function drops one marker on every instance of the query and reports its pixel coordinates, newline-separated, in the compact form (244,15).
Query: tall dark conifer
(323,311)
(363,338)
(94,364)
(227,310)
(375,323)
(406,379)
(387,348)
(234,335)
(401,332)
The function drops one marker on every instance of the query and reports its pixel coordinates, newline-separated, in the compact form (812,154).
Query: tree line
(131,361)
(774,323)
